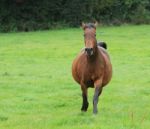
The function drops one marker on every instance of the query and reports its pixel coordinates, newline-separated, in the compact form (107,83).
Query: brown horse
(92,67)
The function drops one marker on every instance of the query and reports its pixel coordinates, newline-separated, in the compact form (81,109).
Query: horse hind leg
(85,103)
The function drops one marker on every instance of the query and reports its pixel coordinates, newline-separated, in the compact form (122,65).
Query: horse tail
(102,44)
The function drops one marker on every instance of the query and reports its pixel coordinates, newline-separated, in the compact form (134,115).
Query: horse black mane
(90,25)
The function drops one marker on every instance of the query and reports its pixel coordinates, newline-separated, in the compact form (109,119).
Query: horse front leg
(98,91)
(85,103)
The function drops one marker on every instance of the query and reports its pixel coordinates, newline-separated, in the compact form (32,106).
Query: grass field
(37,90)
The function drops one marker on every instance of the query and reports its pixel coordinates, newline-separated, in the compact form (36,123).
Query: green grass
(37,90)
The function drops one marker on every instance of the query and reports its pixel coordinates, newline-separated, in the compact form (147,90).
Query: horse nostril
(89,49)
(86,49)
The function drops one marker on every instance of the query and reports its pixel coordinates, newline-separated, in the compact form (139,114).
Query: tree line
(29,15)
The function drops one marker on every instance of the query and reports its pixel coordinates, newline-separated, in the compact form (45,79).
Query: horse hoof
(83,109)
(95,112)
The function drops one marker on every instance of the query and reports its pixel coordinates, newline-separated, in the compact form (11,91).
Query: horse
(92,66)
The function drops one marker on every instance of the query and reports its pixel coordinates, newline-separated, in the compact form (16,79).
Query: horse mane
(90,25)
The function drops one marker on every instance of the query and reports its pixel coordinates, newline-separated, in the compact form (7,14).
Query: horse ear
(96,23)
(83,25)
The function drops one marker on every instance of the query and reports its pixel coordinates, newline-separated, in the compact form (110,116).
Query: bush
(30,15)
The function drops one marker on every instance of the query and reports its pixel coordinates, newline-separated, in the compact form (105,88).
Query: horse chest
(90,72)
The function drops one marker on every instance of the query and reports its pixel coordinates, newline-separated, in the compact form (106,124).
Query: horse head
(90,38)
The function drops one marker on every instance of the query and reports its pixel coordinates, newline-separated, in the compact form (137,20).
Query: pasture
(37,90)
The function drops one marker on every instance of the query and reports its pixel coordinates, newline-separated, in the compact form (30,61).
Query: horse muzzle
(89,51)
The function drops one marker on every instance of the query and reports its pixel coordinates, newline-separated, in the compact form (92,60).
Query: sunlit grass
(37,90)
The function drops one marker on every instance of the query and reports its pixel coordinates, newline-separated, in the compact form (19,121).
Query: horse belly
(81,74)
(107,72)
(77,69)
(75,73)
